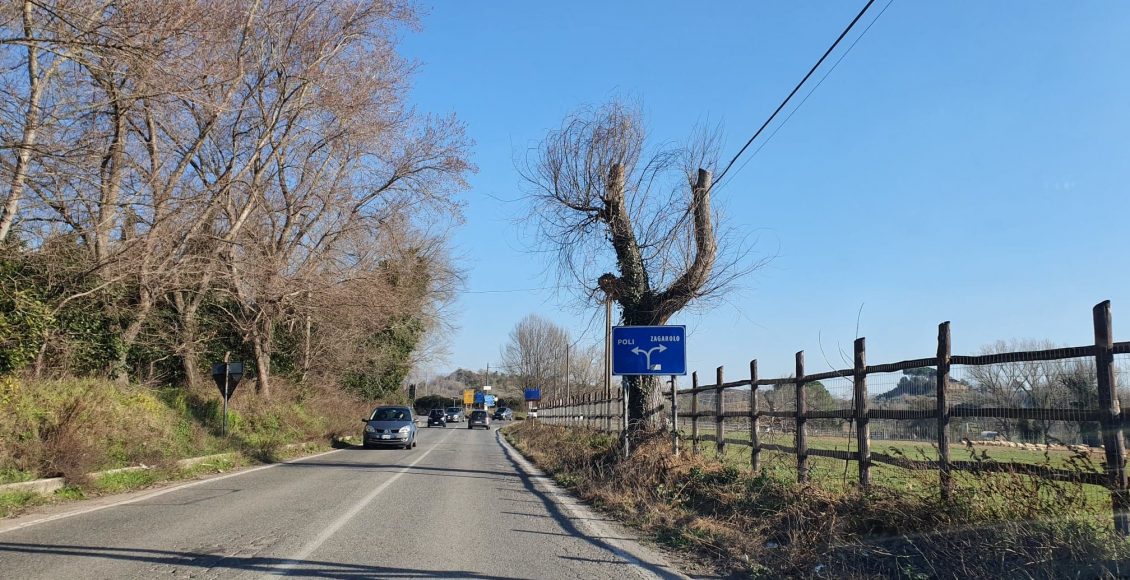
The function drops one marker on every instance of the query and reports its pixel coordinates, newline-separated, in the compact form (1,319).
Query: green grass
(13,502)
(840,476)
(15,476)
(126,480)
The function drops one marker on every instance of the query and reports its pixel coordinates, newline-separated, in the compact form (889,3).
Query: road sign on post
(227,376)
(649,350)
(489,400)
(478,400)
(533,394)
(468,396)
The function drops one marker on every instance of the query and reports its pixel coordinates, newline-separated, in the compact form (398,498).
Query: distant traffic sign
(478,397)
(532,394)
(468,396)
(649,350)
(490,400)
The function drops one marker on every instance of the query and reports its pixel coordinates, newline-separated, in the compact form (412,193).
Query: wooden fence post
(674,416)
(801,420)
(694,411)
(862,409)
(943,379)
(1115,447)
(754,412)
(719,409)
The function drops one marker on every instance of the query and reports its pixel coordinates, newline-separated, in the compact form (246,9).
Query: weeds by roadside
(766,525)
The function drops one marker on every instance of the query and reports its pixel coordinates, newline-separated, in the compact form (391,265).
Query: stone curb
(52,484)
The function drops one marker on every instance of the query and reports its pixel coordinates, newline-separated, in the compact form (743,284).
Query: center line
(332,529)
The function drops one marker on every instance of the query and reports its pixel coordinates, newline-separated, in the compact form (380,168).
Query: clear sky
(967,161)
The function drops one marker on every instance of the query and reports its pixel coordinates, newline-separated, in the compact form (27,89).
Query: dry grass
(765,525)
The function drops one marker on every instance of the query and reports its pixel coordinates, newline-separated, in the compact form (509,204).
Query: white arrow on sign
(647,355)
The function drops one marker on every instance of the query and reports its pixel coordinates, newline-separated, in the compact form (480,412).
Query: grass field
(839,475)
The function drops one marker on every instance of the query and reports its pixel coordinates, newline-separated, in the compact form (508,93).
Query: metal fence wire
(1057,413)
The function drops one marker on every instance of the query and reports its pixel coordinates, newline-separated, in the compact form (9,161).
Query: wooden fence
(1108,414)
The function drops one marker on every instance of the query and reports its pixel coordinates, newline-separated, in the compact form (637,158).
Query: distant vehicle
(479,419)
(437,417)
(503,414)
(390,425)
(455,415)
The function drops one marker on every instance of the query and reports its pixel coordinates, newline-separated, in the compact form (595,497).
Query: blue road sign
(490,400)
(649,350)
(533,394)
(478,397)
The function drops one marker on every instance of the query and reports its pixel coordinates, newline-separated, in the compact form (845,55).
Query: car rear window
(479,414)
(392,414)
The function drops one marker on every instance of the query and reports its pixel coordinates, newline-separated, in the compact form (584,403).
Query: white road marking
(330,530)
(89,509)
(634,554)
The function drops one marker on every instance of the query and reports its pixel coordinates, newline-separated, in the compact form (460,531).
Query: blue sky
(967,161)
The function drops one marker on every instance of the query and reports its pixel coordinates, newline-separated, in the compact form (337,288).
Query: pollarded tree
(631,224)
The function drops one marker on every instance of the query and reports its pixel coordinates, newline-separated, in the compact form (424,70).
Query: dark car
(455,415)
(437,417)
(390,425)
(503,414)
(479,419)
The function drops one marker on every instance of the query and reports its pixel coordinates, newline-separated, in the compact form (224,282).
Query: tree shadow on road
(260,564)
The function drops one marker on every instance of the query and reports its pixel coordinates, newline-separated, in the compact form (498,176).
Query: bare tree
(1032,384)
(634,225)
(535,351)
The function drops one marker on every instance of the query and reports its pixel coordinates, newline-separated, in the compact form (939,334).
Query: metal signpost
(227,376)
(647,351)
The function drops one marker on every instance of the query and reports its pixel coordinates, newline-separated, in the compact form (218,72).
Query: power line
(508,290)
(794,91)
(809,94)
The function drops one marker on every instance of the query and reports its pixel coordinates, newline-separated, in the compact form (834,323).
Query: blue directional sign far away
(649,350)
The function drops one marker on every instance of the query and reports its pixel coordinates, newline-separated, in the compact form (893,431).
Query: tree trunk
(31,127)
(129,336)
(261,343)
(186,350)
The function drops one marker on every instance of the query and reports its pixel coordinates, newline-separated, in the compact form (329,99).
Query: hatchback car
(479,419)
(455,415)
(437,417)
(390,426)
(503,414)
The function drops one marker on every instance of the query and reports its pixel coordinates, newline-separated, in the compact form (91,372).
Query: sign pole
(227,393)
(674,416)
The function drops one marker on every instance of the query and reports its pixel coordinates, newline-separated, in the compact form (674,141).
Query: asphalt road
(462,504)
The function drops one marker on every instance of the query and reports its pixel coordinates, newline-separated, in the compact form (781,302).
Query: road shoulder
(621,540)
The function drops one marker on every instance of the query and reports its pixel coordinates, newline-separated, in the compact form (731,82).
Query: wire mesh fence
(1053,413)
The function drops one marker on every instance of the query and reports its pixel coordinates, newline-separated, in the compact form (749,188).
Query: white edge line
(585,518)
(151,495)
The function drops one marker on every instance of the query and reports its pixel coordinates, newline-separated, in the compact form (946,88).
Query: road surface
(461,505)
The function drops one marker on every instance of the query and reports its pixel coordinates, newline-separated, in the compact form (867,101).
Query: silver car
(390,426)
